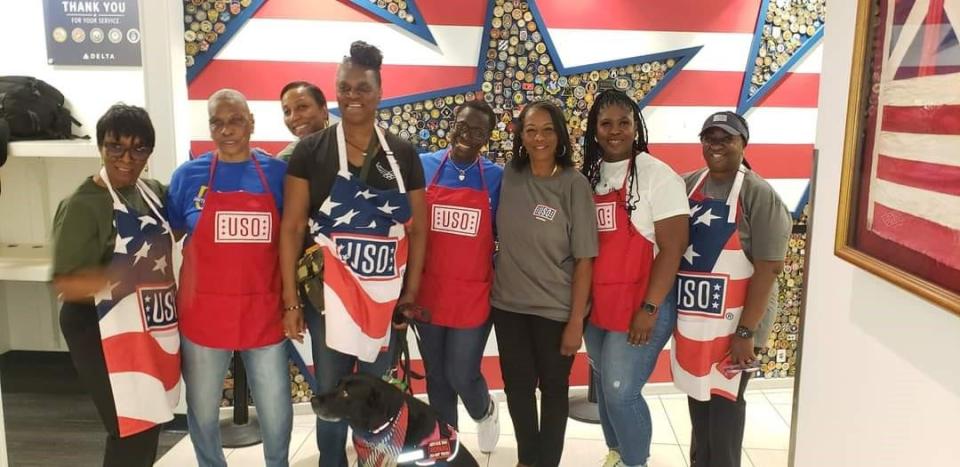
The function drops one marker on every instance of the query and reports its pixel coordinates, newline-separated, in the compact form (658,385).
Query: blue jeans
(452,359)
(268,375)
(621,370)
(329,366)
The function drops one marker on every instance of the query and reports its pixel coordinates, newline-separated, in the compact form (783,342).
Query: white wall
(89,92)
(880,375)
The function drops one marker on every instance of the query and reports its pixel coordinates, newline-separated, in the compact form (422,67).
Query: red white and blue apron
(138,316)
(711,291)
(362,232)
(619,287)
(230,279)
(458,268)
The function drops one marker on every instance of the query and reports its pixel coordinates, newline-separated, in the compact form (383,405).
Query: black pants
(82,333)
(530,358)
(718,429)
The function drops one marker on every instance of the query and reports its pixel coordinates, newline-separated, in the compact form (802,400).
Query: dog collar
(380,448)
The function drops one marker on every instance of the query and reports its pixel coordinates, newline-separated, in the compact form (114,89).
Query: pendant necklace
(463,172)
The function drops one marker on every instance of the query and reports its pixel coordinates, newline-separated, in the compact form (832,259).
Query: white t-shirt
(657,193)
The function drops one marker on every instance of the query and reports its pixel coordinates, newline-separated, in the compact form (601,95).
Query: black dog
(389,425)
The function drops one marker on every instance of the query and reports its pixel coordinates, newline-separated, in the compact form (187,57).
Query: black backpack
(34,109)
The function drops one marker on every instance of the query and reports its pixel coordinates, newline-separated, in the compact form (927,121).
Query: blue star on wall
(403,13)
(520,65)
(786,31)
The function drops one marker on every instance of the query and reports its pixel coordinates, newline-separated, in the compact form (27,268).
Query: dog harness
(384,447)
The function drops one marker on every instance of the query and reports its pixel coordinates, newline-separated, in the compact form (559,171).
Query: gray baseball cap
(729,122)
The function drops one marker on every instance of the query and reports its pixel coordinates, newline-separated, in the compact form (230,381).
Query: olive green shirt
(83,231)
(287,151)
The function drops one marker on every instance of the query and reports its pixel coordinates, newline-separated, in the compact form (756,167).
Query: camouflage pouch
(310,276)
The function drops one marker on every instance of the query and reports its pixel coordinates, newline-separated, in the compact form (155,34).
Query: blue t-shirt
(189,184)
(492,174)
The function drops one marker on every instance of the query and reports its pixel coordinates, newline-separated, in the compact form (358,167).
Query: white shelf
(73,148)
(25,262)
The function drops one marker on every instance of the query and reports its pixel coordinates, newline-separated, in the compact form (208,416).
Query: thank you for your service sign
(92,32)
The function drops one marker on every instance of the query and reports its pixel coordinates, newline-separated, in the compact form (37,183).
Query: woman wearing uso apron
(112,266)
(641,215)
(739,230)
(227,202)
(357,192)
(458,273)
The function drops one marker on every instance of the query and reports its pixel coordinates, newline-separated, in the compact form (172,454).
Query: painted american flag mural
(288,40)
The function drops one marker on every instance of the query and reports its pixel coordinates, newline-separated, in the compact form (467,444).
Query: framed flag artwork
(899,213)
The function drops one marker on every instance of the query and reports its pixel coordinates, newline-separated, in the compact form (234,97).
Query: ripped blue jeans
(621,370)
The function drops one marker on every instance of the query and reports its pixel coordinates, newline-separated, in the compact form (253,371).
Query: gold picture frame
(862,99)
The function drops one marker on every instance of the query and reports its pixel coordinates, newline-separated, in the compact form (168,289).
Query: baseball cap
(729,122)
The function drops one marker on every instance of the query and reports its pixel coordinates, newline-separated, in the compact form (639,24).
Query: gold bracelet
(298,306)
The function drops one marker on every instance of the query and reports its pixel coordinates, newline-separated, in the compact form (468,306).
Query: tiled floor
(765,442)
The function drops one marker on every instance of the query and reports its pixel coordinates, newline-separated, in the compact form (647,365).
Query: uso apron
(138,316)
(362,233)
(458,271)
(619,287)
(230,279)
(711,291)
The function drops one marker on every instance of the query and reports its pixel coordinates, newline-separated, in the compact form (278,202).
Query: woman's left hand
(741,350)
(405,299)
(571,339)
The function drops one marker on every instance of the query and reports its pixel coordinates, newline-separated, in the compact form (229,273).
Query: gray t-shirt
(544,223)
(764,229)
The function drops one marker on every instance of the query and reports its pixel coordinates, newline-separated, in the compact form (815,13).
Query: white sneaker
(488,429)
(612,459)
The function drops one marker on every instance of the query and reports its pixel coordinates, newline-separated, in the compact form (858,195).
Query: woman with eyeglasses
(228,202)
(112,266)
(359,189)
(548,238)
(739,229)
(462,198)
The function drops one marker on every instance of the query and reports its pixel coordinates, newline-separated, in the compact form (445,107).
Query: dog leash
(401,372)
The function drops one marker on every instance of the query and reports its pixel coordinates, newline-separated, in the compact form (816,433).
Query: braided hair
(365,56)
(593,152)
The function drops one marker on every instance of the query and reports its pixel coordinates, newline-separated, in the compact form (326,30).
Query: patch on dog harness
(441,445)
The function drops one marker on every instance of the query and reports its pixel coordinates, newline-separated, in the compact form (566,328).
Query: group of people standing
(622,254)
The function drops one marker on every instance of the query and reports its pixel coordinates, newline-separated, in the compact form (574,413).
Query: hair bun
(365,55)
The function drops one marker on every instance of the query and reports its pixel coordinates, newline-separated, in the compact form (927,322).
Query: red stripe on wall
(768,160)
(923,119)
(722,88)
(263,80)
(932,177)
(918,234)
(652,15)
(435,12)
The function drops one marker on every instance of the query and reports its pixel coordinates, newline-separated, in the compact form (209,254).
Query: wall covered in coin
(679,60)
(780,358)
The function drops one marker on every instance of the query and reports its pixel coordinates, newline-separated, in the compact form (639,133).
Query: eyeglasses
(721,141)
(473,132)
(233,122)
(116,151)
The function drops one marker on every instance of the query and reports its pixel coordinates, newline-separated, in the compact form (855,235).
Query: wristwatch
(744,332)
(650,308)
